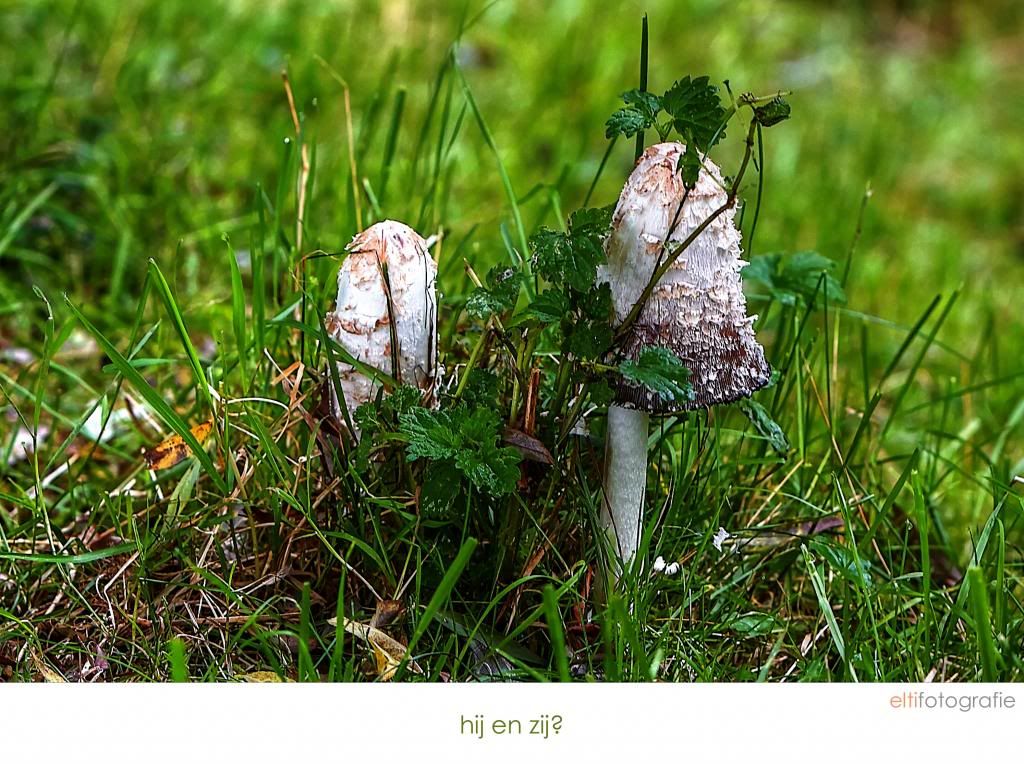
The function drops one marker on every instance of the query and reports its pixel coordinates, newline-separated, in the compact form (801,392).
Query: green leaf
(639,114)
(643,101)
(431,435)
(481,389)
(627,122)
(587,339)
(661,372)
(796,278)
(767,427)
(492,469)
(498,296)
(601,393)
(752,624)
(442,484)
(841,560)
(572,257)
(689,166)
(697,111)
(382,415)
(772,113)
(469,438)
(548,307)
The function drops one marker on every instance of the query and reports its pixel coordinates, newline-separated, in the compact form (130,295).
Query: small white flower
(659,566)
(720,537)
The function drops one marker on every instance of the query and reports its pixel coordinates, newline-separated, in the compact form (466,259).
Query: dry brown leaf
(530,447)
(174,449)
(48,674)
(386,612)
(387,651)
(262,676)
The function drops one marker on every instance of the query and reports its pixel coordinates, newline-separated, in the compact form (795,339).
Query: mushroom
(386,311)
(697,311)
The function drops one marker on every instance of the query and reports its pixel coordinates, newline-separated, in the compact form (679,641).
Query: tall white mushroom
(697,310)
(386,310)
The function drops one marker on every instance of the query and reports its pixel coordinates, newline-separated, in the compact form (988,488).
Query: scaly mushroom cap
(387,258)
(697,310)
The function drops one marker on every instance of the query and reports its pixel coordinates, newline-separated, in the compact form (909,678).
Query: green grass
(150,170)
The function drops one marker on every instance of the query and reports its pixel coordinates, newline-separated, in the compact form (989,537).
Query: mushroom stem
(625,481)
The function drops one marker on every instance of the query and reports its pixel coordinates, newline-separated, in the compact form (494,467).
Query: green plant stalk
(556,633)
(1000,608)
(921,510)
(440,596)
(643,84)
(474,358)
(525,351)
(516,386)
(562,379)
(983,624)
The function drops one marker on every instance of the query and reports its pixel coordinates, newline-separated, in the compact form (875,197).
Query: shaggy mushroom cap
(697,310)
(388,276)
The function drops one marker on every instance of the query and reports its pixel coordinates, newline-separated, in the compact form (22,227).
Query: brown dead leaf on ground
(387,651)
(530,447)
(386,613)
(174,449)
(268,677)
(47,673)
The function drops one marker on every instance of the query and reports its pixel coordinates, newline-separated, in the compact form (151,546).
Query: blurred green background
(158,120)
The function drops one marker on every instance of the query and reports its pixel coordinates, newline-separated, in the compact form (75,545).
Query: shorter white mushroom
(386,311)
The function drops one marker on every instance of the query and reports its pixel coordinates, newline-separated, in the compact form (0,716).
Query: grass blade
(983,624)
(151,396)
(437,601)
(556,633)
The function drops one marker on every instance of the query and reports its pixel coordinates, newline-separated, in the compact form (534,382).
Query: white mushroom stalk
(697,310)
(386,311)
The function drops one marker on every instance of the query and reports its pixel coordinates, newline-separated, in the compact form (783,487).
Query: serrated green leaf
(639,114)
(490,468)
(382,413)
(752,624)
(479,427)
(661,372)
(587,339)
(548,307)
(481,389)
(627,122)
(442,485)
(467,438)
(775,111)
(596,303)
(431,434)
(482,304)
(601,393)
(689,165)
(767,427)
(645,102)
(697,111)
(795,278)
(498,296)
(572,257)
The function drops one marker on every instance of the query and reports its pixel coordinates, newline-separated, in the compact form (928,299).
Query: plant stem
(625,481)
